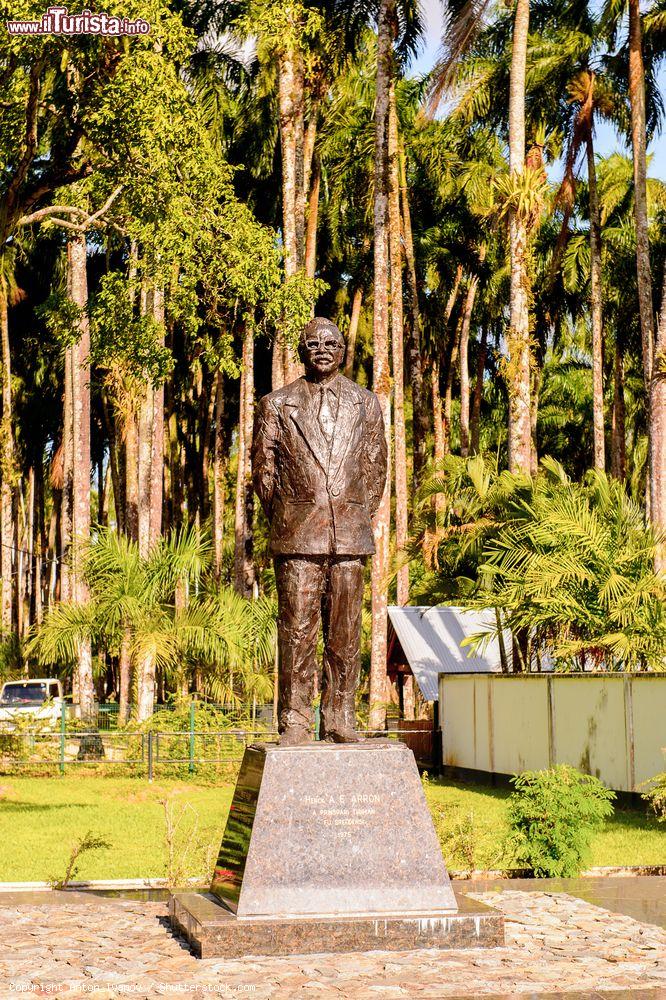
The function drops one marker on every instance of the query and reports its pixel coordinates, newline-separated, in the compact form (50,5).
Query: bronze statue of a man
(319,462)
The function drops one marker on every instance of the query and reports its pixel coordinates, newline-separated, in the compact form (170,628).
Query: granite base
(214,931)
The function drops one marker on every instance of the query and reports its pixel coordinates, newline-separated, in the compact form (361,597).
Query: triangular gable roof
(431,639)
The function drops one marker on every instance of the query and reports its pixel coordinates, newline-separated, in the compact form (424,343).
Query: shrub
(553,814)
(655,795)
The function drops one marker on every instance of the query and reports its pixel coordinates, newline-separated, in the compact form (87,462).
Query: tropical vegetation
(174,206)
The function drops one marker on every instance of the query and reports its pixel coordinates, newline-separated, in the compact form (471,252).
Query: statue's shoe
(343,735)
(295,736)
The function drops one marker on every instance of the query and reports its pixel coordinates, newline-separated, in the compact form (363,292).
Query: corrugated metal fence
(609,725)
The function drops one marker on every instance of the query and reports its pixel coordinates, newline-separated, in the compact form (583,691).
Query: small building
(427,641)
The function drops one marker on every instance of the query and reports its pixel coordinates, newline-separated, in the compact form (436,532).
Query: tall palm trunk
(658,435)
(638,142)
(219,477)
(244,519)
(464,365)
(146,678)
(125,671)
(6,468)
(618,440)
(313,216)
(397,347)
(80,460)
(292,135)
(440,440)
(151,442)
(451,362)
(352,332)
(419,404)
(518,340)
(381,372)
(475,419)
(596,311)
(653,355)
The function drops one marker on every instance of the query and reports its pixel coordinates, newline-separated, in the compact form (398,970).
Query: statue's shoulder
(358,392)
(286,394)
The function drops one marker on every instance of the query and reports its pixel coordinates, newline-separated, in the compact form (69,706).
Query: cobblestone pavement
(114,948)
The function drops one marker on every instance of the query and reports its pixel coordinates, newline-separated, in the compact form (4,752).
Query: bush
(553,814)
(655,795)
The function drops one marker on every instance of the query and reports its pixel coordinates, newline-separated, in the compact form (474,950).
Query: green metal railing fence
(208,741)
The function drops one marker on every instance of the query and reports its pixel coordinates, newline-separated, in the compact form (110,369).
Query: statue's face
(322,352)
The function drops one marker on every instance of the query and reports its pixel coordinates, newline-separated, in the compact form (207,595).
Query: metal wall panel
(609,725)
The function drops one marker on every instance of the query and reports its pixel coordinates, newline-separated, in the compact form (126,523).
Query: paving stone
(554,942)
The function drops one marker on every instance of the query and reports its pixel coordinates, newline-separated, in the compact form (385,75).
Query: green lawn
(41,819)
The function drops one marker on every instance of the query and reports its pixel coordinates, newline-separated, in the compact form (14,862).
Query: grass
(471,821)
(42,818)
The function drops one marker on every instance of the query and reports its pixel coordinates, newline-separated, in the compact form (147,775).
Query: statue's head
(321,347)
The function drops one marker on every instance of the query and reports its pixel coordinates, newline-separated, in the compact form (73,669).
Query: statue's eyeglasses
(331,344)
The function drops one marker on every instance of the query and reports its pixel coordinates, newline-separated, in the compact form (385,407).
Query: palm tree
(518,338)
(381,370)
(133,606)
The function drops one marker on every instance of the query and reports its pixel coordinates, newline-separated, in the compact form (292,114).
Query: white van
(40,699)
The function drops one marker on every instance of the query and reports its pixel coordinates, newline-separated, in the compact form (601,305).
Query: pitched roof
(431,641)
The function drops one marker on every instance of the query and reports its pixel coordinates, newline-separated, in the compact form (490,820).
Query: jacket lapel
(306,417)
(345,427)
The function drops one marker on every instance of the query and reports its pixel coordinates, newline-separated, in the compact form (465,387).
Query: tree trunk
(618,439)
(534,420)
(80,461)
(6,470)
(292,124)
(464,365)
(146,686)
(381,371)
(313,214)
(151,441)
(219,478)
(438,421)
(596,312)
(80,438)
(66,510)
(638,142)
(125,671)
(437,416)
(448,386)
(39,546)
(518,340)
(114,464)
(419,405)
(658,436)
(132,474)
(352,332)
(475,420)
(244,517)
(397,347)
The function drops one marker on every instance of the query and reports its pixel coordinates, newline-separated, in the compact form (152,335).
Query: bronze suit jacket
(319,498)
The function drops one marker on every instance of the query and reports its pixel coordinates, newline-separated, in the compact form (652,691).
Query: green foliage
(569,563)
(135,599)
(553,814)
(89,842)
(655,795)
(62,318)
(122,342)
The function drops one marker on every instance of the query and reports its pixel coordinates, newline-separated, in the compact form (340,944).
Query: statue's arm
(264,454)
(376,455)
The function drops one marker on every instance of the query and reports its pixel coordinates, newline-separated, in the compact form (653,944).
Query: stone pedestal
(330,848)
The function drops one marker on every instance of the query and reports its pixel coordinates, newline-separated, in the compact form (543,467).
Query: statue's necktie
(326,415)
